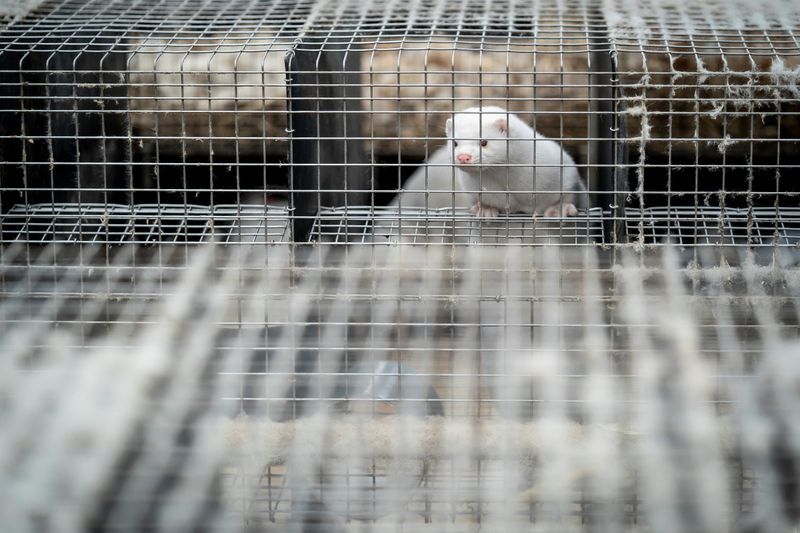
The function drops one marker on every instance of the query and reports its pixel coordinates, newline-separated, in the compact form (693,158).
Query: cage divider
(323,91)
(605,179)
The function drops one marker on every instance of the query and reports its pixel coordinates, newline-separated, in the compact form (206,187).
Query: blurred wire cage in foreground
(218,314)
(427,389)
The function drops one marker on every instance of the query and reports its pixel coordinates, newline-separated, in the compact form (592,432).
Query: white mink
(505,166)
(434,185)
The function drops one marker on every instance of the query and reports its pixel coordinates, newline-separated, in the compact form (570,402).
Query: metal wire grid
(709,93)
(425,510)
(705,226)
(254,224)
(737,28)
(451,316)
(206,19)
(659,26)
(145,224)
(565,392)
(177,54)
(199,73)
(447,226)
(50,26)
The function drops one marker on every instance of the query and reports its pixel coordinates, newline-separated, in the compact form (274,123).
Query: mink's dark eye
(455,143)
(484,142)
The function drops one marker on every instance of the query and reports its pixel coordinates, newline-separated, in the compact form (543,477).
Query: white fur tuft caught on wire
(422,388)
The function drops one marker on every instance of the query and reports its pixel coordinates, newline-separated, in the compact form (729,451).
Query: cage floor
(144,224)
(446,226)
(254,224)
(711,226)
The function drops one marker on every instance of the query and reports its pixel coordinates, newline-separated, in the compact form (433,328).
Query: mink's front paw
(484,211)
(561,210)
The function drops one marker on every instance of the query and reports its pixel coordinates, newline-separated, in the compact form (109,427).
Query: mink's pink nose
(464,158)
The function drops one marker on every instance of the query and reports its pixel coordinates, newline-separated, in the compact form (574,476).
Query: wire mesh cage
(411,265)
(537,387)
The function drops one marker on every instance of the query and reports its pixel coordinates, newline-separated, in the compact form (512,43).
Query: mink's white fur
(435,185)
(506,166)
(501,165)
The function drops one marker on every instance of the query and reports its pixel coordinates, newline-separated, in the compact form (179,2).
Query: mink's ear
(448,128)
(502,125)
